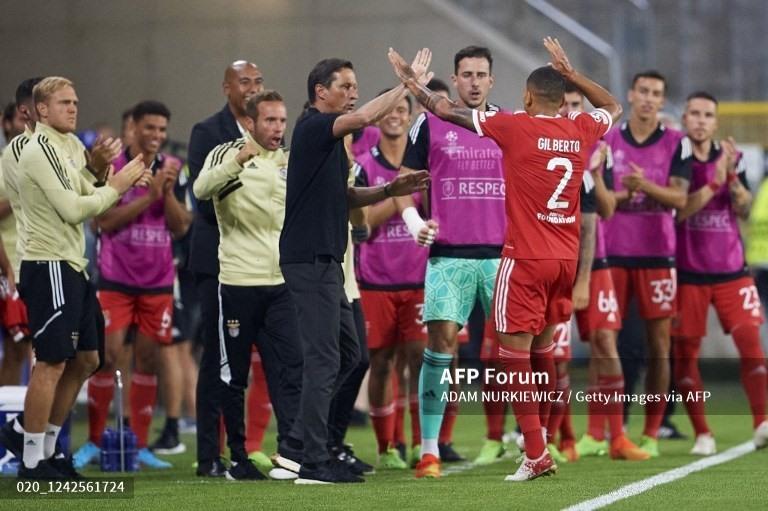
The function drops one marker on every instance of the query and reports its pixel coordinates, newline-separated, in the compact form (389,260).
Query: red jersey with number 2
(543,159)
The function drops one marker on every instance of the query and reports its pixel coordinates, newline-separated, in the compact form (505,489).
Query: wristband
(413,222)
(715,187)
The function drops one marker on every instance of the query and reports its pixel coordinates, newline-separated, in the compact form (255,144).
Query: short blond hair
(48,86)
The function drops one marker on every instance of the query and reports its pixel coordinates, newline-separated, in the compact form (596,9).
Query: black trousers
(265,316)
(344,401)
(209,386)
(330,352)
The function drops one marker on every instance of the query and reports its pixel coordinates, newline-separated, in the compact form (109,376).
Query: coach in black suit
(242,80)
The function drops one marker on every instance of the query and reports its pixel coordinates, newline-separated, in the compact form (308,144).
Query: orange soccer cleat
(622,448)
(428,467)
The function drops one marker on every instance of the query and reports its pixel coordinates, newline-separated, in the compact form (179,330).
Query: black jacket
(219,128)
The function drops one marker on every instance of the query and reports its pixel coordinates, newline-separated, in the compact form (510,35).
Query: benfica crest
(233,326)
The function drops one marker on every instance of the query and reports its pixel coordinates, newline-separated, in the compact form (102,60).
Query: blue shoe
(88,453)
(148,459)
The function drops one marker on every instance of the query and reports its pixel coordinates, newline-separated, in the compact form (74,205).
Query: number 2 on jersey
(552,164)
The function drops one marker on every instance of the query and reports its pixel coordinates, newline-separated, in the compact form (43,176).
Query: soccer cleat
(187,426)
(290,463)
(168,443)
(243,471)
(588,446)
(330,472)
(489,453)
(622,448)
(63,464)
(391,460)
(669,431)
(650,445)
(531,469)
(88,453)
(346,455)
(568,449)
(146,458)
(761,435)
(12,440)
(43,470)
(261,461)
(415,456)
(448,454)
(280,474)
(705,445)
(557,456)
(213,468)
(428,467)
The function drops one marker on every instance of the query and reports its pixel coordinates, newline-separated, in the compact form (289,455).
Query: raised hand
(403,71)
(559,59)
(128,176)
(597,160)
(634,180)
(104,152)
(248,151)
(171,168)
(420,65)
(408,183)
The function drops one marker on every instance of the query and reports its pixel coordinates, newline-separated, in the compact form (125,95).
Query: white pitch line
(644,485)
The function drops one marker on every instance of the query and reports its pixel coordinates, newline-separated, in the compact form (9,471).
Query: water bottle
(130,457)
(110,451)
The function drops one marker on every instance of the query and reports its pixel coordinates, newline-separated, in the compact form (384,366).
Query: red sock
(495,409)
(753,370)
(413,406)
(383,420)
(143,395)
(557,410)
(543,361)
(688,379)
(518,363)
(222,434)
(613,387)
(566,426)
(101,388)
(449,420)
(596,415)
(259,406)
(654,415)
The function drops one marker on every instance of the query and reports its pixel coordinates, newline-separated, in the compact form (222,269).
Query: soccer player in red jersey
(544,156)
(710,262)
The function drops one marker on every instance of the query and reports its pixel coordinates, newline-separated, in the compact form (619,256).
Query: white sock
(51,435)
(17,427)
(429,446)
(33,449)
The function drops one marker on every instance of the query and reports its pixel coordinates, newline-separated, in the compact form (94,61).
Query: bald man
(242,80)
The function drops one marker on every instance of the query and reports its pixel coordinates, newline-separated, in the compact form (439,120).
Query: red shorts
(393,317)
(736,303)
(655,289)
(533,293)
(602,313)
(152,313)
(13,315)
(562,341)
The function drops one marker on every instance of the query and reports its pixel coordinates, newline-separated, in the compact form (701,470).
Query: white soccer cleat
(705,445)
(761,435)
(531,469)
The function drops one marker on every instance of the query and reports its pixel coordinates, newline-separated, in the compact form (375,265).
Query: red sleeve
(498,126)
(592,125)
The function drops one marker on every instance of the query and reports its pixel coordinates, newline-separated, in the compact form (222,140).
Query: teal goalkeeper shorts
(452,286)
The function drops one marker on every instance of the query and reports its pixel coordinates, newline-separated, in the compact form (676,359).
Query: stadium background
(119,52)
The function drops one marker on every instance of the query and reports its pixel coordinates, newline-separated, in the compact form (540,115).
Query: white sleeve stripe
(573,115)
(476,122)
(602,115)
(686,149)
(414,133)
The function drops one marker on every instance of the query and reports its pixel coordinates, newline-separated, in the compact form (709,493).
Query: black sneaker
(669,431)
(330,472)
(355,465)
(168,443)
(12,440)
(43,470)
(65,467)
(448,454)
(213,468)
(244,471)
